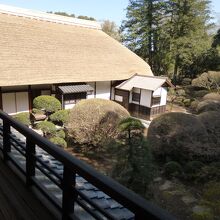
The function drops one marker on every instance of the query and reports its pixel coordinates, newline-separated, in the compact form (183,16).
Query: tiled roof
(75,89)
(90,191)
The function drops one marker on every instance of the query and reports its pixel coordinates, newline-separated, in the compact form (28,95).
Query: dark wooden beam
(30,98)
(110,90)
(1,106)
(95,91)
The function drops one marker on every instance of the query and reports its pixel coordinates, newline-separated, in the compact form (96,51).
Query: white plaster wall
(9,101)
(22,102)
(69,106)
(103,89)
(145,98)
(162,92)
(163,100)
(118,98)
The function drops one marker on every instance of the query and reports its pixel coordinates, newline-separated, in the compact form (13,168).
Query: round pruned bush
(94,122)
(60,134)
(59,141)
(173,169)
(47,103)
(192,169)
(48,128)
(60,117)
(180,137)
(208,173)
(212,96)
(23,117)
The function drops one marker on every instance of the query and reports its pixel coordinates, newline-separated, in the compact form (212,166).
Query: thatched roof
(42,52)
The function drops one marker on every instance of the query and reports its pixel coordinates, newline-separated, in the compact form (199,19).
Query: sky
(114,10)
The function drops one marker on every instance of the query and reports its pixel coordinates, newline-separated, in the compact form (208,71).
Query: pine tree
(142,30)
(168,34)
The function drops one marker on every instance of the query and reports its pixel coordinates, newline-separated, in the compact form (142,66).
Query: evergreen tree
(142,30)
(169,34)
(188,31)
(134,163)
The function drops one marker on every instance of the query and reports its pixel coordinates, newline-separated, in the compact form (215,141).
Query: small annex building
(143,96)
(69,58)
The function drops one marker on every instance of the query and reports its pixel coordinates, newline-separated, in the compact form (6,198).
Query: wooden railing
(141,208)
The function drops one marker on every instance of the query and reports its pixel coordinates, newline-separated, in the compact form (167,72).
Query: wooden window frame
(156,100)
(136,97)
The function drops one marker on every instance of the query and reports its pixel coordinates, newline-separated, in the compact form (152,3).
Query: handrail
(141,208)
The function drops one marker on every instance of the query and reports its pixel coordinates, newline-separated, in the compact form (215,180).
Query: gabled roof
(151,83)
(40,48)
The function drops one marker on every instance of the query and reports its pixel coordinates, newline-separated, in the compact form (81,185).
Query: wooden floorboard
(16,201)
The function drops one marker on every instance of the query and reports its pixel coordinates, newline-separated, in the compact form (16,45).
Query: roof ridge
(44,16)
(158,77)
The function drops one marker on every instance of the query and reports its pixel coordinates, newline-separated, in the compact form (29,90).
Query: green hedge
(23,117)
(173,169)
(60,117)
(60,134)
(59,141)
(47,127)
(48,103)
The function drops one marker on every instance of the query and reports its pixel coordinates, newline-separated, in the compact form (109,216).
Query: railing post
(69,194)
(30,161)
(6,139)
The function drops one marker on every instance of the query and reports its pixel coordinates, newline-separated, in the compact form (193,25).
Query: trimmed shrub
(60,134)
(187,102)
(211,197)
(200,94)
(212,96)
(192,168)
(208,173)
(178,136)
(194,105)
(23,117)
(211,121)
(173,169)
(209,80)
(48,103)
(48,128)
(208,105)
(95,121)
(134,166)
(59,141)
(60,117)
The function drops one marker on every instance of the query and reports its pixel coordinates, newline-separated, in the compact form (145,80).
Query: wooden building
(72,59)
(143,96)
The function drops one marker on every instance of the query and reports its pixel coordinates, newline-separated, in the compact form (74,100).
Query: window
(136,97)
(118,98)
(74,98)
(156,100)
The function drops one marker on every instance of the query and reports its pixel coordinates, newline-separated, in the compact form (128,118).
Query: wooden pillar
(30,98)
(95,91)
(69,193)
(110,97)
(139,103)
(1,106)
(62,101)
(30,161)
